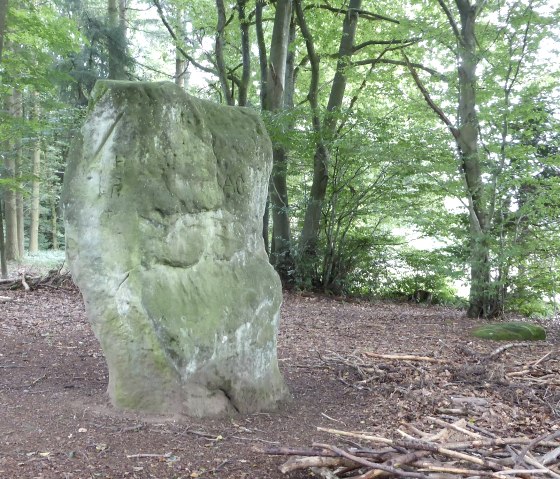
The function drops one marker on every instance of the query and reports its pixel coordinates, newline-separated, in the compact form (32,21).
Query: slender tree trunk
(480,302)
(3,14)
(35,196)
(274,102)
(19,201)
(180,61)
(219,52)
(263,66)
(18,172)
(246,54)
(10,206)
(116,39)
(3,262)
(312,221)
(54,223)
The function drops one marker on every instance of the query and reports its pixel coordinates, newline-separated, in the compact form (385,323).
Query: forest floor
(56,422)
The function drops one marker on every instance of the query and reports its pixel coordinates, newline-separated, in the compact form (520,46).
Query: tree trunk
(54,223)
(312,220)
(180,61)
(35,195)
(263,66)
(19,201)
(3,262)
(219,52)
(274,101)
(10,206)
(3,14)
(480,298)
(116,39)
(246,54)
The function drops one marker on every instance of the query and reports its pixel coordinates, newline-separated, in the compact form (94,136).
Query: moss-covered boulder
(164,198)
(513,331)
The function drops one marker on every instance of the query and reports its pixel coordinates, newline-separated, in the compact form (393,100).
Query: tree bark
(54,223)
(219,52)
(263,66)
(246,54)
(280,248)
(3,262)
(35,189)
(480,302)
(18,172)
(19,200)
(10,207)
(180,61)
(325,134)
(3,14)
(116,39)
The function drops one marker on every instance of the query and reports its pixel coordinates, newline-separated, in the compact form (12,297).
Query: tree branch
(439,112)
(219,52)
(451,20)
(363,13)
(384,42)
(198,65)
(314,61)
(389,61)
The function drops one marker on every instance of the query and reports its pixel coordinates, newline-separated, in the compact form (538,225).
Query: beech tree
(477,39)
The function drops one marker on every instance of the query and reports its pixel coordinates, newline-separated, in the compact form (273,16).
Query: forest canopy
(415,143)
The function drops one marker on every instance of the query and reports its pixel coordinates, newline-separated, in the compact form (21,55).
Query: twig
(403,357)
(505,347)
(540,360)
(454,426)
(136,456)
(254,439)
(332,418)
(134,428)
(35,381)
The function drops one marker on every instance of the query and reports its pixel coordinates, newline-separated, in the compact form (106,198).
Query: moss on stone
(512,331)
(164,196)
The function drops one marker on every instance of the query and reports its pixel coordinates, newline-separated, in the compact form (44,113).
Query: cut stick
(455,427)
(295,463)
(159,456)
(403,357)
(505,347)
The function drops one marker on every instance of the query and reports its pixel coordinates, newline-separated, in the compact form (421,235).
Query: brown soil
(56,422)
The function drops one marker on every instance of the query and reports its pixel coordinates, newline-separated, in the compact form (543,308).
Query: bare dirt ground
(56,422)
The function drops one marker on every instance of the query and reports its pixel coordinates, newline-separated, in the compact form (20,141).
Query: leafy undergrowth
(342,361)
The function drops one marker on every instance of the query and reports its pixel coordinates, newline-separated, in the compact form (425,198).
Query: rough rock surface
(164,198)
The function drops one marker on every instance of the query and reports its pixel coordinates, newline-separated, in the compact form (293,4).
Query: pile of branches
(458,449)
(55,278)
(368,371)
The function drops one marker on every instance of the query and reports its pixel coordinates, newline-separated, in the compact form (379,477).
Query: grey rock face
(164,197)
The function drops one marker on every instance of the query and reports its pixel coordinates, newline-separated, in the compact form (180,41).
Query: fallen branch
(403,357)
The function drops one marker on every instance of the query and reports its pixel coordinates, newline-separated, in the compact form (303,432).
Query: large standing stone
(164,198)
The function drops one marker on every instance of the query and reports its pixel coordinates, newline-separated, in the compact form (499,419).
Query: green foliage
(513,331)
(394,172)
